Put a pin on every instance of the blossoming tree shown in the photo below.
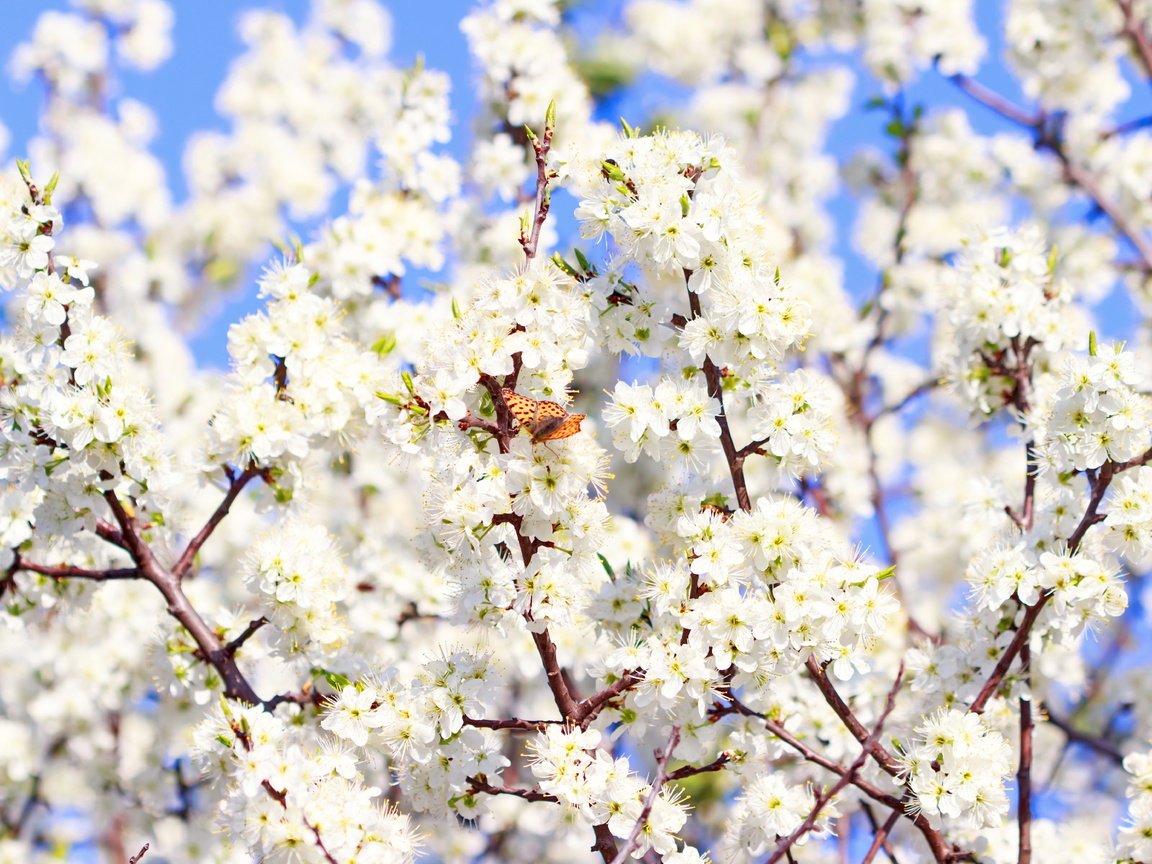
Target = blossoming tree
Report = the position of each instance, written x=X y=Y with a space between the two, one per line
x=833 y=564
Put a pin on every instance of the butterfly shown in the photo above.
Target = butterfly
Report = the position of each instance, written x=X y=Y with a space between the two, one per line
x=545 y=421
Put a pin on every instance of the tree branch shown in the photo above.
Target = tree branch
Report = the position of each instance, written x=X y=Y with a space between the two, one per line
x=1137 y=34
x=512 y=724
x=883 y=758
x=236 y=685
x=480 y=784
x=70 y=572
x=235 y=487
x=1024 y=772
x=1100 y=481
x=662 y=757
x=846 y=778
x=540 y=147
x=1074 y=173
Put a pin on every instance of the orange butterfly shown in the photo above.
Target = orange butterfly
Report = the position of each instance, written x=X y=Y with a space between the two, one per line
x=545 y=421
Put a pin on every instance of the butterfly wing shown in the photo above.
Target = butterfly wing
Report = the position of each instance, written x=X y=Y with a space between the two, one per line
x=564 y=428
x=522 y=407
x=549 y=410
x=545 y=421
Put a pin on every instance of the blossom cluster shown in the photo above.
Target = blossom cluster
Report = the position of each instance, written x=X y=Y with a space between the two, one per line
x=397 y=584
x=289 y=792
x=957 y=767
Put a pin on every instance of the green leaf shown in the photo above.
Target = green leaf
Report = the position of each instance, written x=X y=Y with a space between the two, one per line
x=559 y=261
x=607 y=567
x=385 y=345
x=335 y=680
x=51 y=187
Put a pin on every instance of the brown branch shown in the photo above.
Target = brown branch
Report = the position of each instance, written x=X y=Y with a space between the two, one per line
x=1137 y=34
x=512 y=724
x=905 y=400
x=109 y=532
x=732 y=456
x=935 y=840
x=909 y=127
x=479 y=783
x=471 y=421
x=717 y=764
x=991 y=99
x=305 y=696
x=1074 y=173
x=662 y=757
x=253 y=625
x=880 y=837
x=139 y=856
x=540 y=147
x=1080 y=177
x=328 y=856
x=546 y=648
x=883 y=758
x=1142 y=459
x=590 y=708
x=1024 y=772
x=1099 y=744
x=235 y=487
x=822 y=798
x=1100 y=480
x=236 y=685
x=70 y=572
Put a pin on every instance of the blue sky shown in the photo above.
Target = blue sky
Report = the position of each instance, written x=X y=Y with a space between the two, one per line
x=181 y=91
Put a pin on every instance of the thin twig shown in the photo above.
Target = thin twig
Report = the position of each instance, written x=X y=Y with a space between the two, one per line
x=540 y=147
x=70 y=572
x=139 y=855
x=1074 y=173
x=1137 y=34
x=481 y=784
x=846 y=778
x=662 y=757
x=512 y=724
x=1100 y=480
x=236 y=685
x=235 y=487
x=880 y=839
x=1074 y=735
x=1024 y=772
x=717 y=764
x=253 y=625
x=734 y=457
x=883 y=758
